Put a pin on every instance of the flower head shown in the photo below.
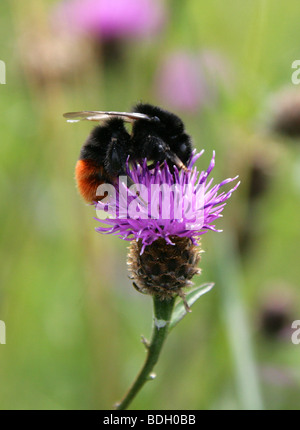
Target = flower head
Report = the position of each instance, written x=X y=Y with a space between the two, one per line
x=198 y=78
x=111 y=19
x=164 y=203
x=283 y=113
x=163 y=213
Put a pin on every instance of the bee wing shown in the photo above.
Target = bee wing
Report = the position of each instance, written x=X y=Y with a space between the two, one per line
x=103 y=115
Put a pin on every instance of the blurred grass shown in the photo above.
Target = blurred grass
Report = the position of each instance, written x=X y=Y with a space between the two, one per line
x=73 y=319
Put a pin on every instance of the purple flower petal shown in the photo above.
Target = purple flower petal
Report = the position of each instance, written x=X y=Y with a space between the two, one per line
x=188 y=209
x=110 y=18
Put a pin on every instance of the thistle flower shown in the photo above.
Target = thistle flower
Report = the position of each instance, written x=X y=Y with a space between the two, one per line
x=197 y=77
x=111 y=19
x=163 y=215
x=283 y=116
x=49 y=55
x=276 y=313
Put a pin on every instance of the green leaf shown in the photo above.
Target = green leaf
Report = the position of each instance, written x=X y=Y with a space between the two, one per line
x=180 y=311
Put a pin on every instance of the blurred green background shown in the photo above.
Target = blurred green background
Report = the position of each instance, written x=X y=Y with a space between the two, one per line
x=73 y=320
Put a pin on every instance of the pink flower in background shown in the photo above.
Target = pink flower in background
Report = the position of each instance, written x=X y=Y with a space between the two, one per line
x=181 y=83
x=111 y=19
x=282 y=114
x=188 y=80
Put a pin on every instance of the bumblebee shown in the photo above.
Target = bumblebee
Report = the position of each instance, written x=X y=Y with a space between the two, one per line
x=156 y=135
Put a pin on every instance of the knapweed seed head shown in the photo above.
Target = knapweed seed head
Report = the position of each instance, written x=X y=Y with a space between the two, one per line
x=163 y=213
x=283 y=116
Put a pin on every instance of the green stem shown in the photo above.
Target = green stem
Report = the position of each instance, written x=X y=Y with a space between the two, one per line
x=162 y=316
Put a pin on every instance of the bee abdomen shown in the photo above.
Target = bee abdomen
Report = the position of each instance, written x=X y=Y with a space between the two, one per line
x=88 y=177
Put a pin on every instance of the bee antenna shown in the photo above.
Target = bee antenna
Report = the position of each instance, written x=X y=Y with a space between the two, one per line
x=176 y=160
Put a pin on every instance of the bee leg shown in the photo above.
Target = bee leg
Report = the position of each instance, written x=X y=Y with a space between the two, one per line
x=138 y=288
x=176 y=160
